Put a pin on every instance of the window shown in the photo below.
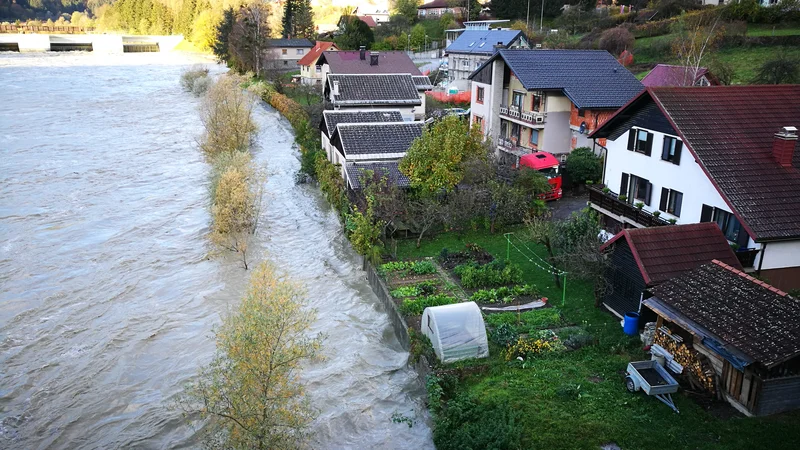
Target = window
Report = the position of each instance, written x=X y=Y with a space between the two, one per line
x=516 y=100
x=671 y=201
x=536 y=104
x=465 y=63
x=285 y=63
x=299 y=51
x=581 y=112
x=479 y=121
x=319 y=69
x=635 y=188
x=515 y=128
x=640 y=141
x=284 y=51
x=672 y=150
x=534 y=137
x=726 y=221
x=480 y=94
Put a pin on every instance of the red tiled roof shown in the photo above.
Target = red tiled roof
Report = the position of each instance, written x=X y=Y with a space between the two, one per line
x=666 y=252
x=669 y=75
x=730 y=131
x=315 y=53
x=350 y=62
x=751 y=316
x=368 y=20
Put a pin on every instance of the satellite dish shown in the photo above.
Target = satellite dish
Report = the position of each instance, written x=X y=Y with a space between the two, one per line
x=582 y=129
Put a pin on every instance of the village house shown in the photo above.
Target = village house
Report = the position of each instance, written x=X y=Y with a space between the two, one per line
x=310 y=71
x=357 y=146
x=669 y=75
x=724 y=154
x=285 y=54
x=436 y=8
x=379 y=91
x=641 y=258
x=331 y=118
x=733 y=335
x=547 y=100
x=364 y=61
x=473 y=47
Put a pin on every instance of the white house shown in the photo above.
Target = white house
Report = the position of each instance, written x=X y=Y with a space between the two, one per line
x=286 y=53
x=332 y=118
x=365 y=92
x=310 y=69
x=725 y=154
x=473 y=47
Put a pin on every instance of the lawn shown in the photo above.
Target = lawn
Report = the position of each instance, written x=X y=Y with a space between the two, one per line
x=578 y=399
x=781 y=29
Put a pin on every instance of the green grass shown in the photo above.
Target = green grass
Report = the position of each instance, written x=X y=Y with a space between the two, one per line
x=301 y=98
x=759 y=29
x=746 y=61
x=601 y=410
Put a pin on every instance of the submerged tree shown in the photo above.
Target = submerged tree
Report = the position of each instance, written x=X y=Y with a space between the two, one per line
x=227 y=115
x=252 y=390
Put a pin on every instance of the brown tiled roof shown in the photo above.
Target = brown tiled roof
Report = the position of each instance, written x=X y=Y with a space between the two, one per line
x=315 y=53
x=666 y=252
x=730 y=131
x=368 y=20
x=350 y=62
x=753 y=317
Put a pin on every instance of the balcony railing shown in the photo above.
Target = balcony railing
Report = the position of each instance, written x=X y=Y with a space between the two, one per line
x=531 y=117
x=610 y=202
x=746 y=256
x=510 y=146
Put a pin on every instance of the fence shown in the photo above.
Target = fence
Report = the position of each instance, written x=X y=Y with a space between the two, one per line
x=461 y=97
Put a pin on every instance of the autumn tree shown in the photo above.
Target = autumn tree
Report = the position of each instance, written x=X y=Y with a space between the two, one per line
x=696 y=37
x=435 y=161
x=249 y=39
x=779 y=70
x=616 y=40
x=251 y=391
x=227 y=115
x=406 y=8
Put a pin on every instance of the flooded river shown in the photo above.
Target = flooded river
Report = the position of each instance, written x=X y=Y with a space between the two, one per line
x=109 y=289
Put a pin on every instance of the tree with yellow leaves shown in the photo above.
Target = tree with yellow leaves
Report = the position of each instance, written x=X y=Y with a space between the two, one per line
x=251 y=391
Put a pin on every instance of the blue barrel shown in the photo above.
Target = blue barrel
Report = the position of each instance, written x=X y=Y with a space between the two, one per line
x=631 y=324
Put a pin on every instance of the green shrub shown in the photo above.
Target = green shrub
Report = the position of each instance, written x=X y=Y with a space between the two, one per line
x=420 y=346
x=195 y=80
x=504 y=335
x=415 y=307
x=527 y=321
x=503 y=294
x=466 y=424
x=495 y=273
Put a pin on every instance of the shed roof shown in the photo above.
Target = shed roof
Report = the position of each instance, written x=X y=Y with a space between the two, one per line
x=388 y=170
x=669 y=75
x=666 y=252
x=331 y=118
x=730 y=131
x=482 y=41
x=350 y=62
x=290 y=43
x=368 y=20
x=738 y=310
x=422 y=82
x=312 y=56
x=376 y=138
x=589 y=78
x=373 y=89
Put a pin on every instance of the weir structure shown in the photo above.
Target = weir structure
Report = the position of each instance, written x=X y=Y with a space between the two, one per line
x=106 y=43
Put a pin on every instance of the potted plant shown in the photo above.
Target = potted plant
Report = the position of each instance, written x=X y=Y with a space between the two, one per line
x=673 y=221
x=735 y=246
x=606 y=190
x=623 y=197
x=639 y=205
x=656 y=213
x=589 y=182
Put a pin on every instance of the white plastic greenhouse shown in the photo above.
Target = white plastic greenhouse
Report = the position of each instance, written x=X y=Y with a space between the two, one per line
x=456 y=331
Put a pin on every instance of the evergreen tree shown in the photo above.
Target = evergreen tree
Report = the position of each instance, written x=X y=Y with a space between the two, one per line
x=221 y=47
x=304 y=20
x=289 y=8
x=354 y=33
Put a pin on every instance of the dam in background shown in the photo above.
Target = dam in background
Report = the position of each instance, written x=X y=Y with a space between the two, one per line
x=105 y=43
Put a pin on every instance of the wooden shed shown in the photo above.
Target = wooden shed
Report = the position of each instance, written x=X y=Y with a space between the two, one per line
x=735 y=335
x=645 y=257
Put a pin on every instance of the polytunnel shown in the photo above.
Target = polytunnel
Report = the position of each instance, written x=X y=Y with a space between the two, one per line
x=456 y=331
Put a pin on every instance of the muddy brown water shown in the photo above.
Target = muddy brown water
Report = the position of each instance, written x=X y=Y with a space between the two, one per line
x=108 y=295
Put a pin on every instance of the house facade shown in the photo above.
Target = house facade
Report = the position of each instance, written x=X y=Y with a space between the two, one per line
x=366 y=92
x=725 y=154
x=473 y=47
x=547 y=100
x=436 y=8
x=310 y=71
x=332 y=118
x=285 y=54
x=733 y=335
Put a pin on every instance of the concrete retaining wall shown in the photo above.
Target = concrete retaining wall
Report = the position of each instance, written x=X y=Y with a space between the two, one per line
x=382 y=291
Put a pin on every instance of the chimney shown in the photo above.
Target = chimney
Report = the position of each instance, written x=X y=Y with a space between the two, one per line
x=373 y=59
x=783 y=145
x=335 y=88
x=363 y=52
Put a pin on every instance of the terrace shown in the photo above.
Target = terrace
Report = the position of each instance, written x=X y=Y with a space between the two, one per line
x=528 y=117
x=610 y=203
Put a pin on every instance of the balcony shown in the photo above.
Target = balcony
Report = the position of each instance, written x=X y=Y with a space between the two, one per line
x=510 y=146
x=612 y=204
x=747 y=256
x=529 y=117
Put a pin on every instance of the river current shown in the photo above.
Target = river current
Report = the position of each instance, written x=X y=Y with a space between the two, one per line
x=109 y=289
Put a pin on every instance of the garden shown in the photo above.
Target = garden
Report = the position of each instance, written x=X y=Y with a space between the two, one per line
x=555 y=375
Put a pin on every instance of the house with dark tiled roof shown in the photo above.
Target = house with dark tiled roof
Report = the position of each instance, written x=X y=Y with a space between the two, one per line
x=365 y=61
x=310 y=70
x=644 y=257
x=670 y=75
x=366 y=92
x=286 y=53
x=358 y=144
x=434 y=9
x=332 y=118
x=722 y=154
x=733 y=334
x=473 y=47
x=547 y=100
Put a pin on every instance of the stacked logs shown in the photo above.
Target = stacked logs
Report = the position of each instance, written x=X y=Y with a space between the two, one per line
x=696 y=367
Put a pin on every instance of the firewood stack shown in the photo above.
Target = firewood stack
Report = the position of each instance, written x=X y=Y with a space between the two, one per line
x=696 y=367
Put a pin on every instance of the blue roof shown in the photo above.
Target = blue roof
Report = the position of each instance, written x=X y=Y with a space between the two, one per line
x=482 y=41
x=589 y=78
